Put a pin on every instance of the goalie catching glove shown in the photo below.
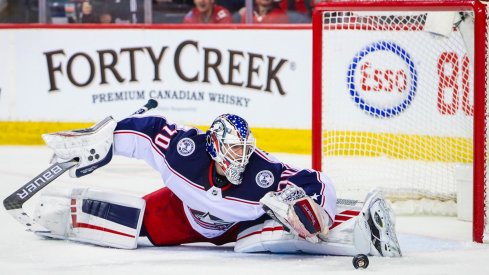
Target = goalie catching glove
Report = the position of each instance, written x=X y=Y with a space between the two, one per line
x=297 y=212
x=92 y=147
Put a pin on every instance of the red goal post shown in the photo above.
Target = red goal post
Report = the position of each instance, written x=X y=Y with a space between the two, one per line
x=352 y=18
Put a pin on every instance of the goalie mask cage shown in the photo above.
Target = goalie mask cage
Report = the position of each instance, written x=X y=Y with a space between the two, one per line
x=399 y=99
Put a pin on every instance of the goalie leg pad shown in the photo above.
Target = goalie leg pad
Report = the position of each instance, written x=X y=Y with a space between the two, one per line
x=359 y=228
x=271 y=236
x=91 y=216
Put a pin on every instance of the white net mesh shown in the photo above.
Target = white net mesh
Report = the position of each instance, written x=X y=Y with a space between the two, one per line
x=397 y=103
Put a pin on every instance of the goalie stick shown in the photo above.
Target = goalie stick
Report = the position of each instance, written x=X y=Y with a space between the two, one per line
x=15 y=202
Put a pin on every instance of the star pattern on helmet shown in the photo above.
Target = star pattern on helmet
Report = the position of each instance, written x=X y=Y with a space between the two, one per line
x=240 y=124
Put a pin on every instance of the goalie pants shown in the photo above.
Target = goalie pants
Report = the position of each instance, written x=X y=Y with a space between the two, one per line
x=165 y=223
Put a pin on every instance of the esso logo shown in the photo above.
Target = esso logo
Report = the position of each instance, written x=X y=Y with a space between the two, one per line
x=382 y=79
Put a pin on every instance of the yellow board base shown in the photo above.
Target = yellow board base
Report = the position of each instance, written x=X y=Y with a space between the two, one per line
x=295 y=141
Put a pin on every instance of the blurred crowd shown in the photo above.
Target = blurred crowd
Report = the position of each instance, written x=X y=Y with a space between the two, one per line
x=156 y=11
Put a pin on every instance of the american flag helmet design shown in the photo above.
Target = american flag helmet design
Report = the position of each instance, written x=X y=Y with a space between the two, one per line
x=230 y=143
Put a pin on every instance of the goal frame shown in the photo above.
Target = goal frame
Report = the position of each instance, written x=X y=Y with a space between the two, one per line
x=480 y=72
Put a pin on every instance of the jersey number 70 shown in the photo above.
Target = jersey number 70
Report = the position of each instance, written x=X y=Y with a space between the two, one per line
x=163 y=139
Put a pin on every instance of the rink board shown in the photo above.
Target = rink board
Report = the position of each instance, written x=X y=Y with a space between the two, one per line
x=55 y=74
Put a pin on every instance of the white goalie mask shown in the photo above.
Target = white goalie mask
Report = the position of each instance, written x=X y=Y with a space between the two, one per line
x=230 y=144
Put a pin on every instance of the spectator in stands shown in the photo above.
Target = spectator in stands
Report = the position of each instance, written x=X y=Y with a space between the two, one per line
x=106 y=18
x=170 y=11
x=298 y=11
x=3 y=5
x=266 y=12
x=299 y=6
x=231 y=5
x=87 y=15
x=206 y=11
x=123 y=11
x=4 y=13
x=15 y=11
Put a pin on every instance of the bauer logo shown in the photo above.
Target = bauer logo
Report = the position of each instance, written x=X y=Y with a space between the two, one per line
x=39 y=182
x=382 y=79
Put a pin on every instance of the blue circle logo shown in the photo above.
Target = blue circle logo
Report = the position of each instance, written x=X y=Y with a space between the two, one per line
x=382 y=79
x=264 y=179
x=185 y=147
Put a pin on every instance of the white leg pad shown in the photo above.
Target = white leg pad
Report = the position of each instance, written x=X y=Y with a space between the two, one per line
x=349 y=239
x=91 y=216
x=266 y=237
x=348 y=236
x=359 y=228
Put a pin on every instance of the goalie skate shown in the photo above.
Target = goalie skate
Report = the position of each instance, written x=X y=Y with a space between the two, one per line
x=380 y=219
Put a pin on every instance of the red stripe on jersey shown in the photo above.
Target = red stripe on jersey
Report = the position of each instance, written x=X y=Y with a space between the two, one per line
x=288 y=173
x=143 y=136
x=265 y=156
x=262 y=155
x=184 y=179
x=163 y=156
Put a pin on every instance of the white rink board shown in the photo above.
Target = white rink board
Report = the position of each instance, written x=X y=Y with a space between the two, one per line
x=270 y=68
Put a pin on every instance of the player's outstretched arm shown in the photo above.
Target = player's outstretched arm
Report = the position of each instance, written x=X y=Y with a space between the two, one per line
x=92 y=147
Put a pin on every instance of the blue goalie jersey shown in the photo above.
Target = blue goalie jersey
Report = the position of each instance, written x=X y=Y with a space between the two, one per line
x=179 y=155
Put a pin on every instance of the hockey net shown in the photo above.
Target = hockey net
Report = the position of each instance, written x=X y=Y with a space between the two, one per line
x=394 y=88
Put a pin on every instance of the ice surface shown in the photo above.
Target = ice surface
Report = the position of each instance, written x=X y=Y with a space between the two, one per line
x=431 y=245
